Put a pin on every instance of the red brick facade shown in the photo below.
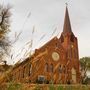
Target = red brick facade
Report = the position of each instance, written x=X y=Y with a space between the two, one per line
x=56 y=61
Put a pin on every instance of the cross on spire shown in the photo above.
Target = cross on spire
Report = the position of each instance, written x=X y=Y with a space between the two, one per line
x=66 y=4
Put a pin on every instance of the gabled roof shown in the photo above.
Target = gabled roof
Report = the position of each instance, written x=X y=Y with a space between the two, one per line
x=39 y=50
x=49 y=43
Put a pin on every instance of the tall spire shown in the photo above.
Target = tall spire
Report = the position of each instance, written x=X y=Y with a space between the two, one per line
x=67 y=25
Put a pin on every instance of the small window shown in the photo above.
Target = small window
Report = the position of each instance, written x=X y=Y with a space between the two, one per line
x=51 y=68
x=72 y=38
x=60 y=69
x=57 y=45
x=46 y=67
x=62 y=39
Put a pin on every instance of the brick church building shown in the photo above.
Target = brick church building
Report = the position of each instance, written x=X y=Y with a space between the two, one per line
x=57 y=61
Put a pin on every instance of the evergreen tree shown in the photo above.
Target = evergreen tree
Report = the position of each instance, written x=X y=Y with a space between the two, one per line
x=85 y=66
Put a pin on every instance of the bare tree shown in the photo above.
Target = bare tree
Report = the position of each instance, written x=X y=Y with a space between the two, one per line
x=4 y=30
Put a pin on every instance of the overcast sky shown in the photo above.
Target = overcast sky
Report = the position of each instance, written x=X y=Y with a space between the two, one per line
x=46 y=16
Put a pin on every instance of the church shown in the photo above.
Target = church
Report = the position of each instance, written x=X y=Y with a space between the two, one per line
x=55 y=62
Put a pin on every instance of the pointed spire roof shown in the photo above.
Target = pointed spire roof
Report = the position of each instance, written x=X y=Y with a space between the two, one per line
x=67 y=25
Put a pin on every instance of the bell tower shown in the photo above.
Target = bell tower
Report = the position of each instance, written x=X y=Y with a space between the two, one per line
x=68 y=39
x=70 y=44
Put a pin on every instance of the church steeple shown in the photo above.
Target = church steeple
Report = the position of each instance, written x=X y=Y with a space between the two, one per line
x=67 y=25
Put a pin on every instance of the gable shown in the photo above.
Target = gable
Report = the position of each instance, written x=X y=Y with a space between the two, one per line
x=53 y=43
x=52 y=51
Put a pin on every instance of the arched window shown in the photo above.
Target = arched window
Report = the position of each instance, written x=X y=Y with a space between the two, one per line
x=51 y=68
x=30 y=69
x=72 y=38
x=62 y=39
x=23 y=72
x=46 y=67
x=56 y=45
x=60 y=69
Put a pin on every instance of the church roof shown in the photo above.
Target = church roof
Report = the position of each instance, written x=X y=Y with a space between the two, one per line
x=40 y=50
x=67 y=25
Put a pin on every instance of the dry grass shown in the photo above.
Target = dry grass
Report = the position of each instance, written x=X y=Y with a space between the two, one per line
x=18 y=86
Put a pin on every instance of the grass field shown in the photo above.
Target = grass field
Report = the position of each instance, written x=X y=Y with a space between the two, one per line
x=18 y=86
